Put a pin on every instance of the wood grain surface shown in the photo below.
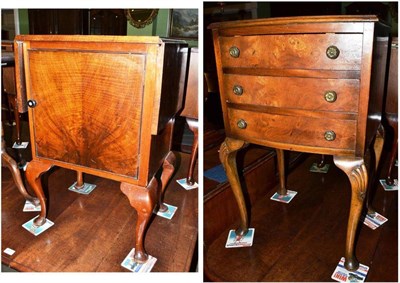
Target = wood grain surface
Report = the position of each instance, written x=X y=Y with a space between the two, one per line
x=94 y=232
x=302 y=51
x=86 y=115
x=292 y=129
x=291 y=92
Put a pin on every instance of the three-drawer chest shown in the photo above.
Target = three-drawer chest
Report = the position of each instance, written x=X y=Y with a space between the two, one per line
x=309 y=84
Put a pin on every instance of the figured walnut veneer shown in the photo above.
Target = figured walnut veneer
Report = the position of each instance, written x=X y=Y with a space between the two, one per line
x=103 y=105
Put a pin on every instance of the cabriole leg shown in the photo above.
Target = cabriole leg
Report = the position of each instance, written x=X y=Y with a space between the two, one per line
x=393 y=152
x=8 y=161
x=168 y=170
x=193 y=126
x=357 y=173
x=143 y=200
x=376 y=153
x=227 y=155
x=34 y=171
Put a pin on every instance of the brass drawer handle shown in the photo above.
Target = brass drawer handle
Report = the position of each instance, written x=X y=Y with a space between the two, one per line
x=237 y=89
x=330 y=135
x=332 y=52
x=234 y=52
x=330 y=96
x=242 y=124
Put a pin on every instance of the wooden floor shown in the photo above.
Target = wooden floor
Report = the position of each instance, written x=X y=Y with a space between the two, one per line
x=304 y=240
x=95 y=232
x=301 y=241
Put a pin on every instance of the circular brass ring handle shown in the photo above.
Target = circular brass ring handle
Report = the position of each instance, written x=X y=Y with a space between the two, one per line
x=330 y=135
x=32 y=103
x=237 y=89
x=330 y=96
x=234 y=52
x=242 y=124
x=332 y=52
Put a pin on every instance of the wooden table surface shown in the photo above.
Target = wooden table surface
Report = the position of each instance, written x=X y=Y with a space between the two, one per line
x=95 y=232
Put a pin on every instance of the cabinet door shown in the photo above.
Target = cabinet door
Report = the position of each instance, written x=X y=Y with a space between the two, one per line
x=88 y=107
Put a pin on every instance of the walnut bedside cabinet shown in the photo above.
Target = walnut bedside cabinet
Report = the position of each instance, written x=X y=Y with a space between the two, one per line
x=103 y=105
x=309 y=84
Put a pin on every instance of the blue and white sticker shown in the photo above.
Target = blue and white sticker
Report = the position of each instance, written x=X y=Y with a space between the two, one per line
x=387 y=187
x=341 y=274
x=22 y=145
x=169 y=213
x=374 y=221
x=185 y=185
x=284 y=198
x=36 y=230
x=238 y=241
x=9 y=251
x=324 y=169
x=134 y=266
x=87 y=188
x=29 y=207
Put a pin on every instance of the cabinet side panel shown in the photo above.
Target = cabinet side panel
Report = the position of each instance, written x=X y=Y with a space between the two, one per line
x=378 y=76
x=161 y=145
x=89 y=107
x=190 y=109
x=20 y=76
x=173 y=82
x=393 y=84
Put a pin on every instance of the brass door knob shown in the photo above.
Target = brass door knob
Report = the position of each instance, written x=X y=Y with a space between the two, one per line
x=330 y=96
x=32 y=103
x=332 y=52
x=238 y=90
x=242 y=124
x=330 y=135
x=234 y=52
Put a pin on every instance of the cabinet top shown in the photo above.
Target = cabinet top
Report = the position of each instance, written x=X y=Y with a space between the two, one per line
x=295 y=20
x=98 y=38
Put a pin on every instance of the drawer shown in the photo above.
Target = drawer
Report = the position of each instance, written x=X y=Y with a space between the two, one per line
x=301 y=93
x=305 y=131
x=292 y=51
